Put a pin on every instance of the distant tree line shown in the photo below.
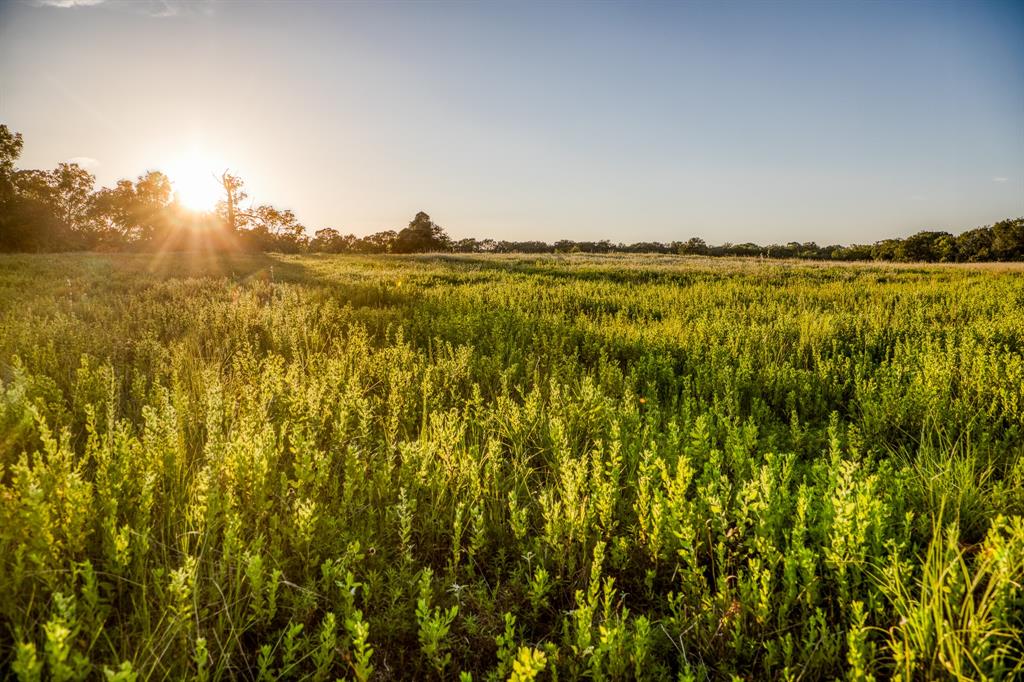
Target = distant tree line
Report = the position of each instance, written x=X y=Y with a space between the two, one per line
x=63 y=210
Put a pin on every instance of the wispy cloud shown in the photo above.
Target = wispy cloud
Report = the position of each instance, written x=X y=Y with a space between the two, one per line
x=1000 y=178
x=85 y=162
x=157 y=9
x=162 y=9
x=65 y=4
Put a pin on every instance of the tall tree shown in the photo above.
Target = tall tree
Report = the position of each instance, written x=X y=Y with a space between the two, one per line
x=136 y=212
x=37 y=208
x=923 y=246
x=44 y=210
x=10 y=149
x=422 y=235
x=233 y=196
x=72 y=187
x=975 y=245
x=1008 y=239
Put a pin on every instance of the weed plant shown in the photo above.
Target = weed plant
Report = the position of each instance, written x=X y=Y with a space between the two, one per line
x=509 y=468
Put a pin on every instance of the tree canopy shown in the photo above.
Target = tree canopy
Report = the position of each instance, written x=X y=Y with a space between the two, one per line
x=62 y=210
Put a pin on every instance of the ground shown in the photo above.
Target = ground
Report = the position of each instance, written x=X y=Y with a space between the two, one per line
x=512 y=467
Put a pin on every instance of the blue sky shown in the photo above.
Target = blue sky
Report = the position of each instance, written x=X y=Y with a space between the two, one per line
x=833 y=122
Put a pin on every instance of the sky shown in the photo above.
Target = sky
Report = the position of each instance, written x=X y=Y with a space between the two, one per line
x=732 y=121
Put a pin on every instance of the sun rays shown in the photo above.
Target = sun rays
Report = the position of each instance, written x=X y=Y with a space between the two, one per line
x=193 y=175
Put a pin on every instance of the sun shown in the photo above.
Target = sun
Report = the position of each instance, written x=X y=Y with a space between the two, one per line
x=194 y=179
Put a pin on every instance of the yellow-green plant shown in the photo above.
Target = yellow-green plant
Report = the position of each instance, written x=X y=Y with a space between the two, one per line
x=509 y=467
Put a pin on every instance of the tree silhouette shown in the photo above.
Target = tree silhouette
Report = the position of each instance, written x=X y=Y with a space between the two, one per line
x=233 y=196
x=60 y=210
x=136 y=212
x=10 y=149
x=72 y=187
x=422 y=235
x=41 y=210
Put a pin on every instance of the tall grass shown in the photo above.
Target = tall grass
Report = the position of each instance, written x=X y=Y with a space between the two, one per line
x=509 y=468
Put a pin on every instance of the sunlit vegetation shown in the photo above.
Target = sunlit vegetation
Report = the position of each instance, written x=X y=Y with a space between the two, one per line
x=317 y=467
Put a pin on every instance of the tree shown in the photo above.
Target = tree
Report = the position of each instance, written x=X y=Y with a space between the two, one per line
x=233 y=196
x=975 y=245
x=28 y=221
x=135 y=212
x=422 y=235
x=11 y=144
x=694 y=246
x=45 y=210
x=272 y=229
x=924 y=246
x=22 y=220
x=278 y=222
x=1008 y=239
x=945 y=248
x=853 y=252
x=887 y=250
x=378 y=242
x=468 y=245
x=112 y=210
x=264 y=227
x=40 y=210
x=327 y=240
x=72 y=187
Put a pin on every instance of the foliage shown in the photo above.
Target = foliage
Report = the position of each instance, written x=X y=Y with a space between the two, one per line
x=59 y=211
x=422 y=235
x=308 y=467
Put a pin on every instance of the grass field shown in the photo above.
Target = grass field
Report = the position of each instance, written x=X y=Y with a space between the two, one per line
x=510 y=468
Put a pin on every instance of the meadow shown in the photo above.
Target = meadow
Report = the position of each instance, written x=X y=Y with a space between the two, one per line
x=509 y=468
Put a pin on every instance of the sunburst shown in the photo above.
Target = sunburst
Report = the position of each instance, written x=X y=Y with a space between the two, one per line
x=194 y=178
